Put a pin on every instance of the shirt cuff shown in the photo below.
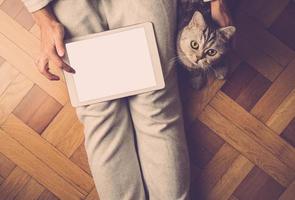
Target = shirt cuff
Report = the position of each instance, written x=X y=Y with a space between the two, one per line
x=207 y=0
x=34 y=5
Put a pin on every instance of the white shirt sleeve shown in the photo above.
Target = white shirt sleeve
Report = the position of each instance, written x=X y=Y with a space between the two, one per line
x=34 y=5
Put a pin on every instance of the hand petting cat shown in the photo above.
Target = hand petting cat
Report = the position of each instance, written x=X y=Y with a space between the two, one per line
x=221 y=15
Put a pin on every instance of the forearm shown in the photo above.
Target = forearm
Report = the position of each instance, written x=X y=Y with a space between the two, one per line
x=44 y=16
x=220 y=4
x=220 y=13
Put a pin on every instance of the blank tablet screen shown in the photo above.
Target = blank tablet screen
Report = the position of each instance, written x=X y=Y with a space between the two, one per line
x=111 y=64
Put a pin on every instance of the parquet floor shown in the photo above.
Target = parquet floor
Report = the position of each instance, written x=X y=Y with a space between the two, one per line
x=241 y=132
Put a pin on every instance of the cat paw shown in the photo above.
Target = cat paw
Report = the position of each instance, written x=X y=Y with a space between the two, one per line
x=196 y=86
x=220 y=76
x=197 y=82
x=221 y=73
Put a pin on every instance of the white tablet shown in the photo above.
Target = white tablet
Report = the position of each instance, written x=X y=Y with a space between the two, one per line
x=113 y=64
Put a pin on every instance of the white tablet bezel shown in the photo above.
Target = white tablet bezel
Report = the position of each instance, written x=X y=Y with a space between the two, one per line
x=153 y=49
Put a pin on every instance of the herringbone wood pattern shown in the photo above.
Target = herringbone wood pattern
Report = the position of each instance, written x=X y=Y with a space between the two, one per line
x=241 y=132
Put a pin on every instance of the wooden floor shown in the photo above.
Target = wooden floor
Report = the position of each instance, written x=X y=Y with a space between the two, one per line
x=241 y=132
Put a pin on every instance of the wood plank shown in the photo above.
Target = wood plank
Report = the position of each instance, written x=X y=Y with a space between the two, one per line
x=25 y=19
x=2 y=60
x=13 y=184
x=260 y=61
x=93 y=195
x=231 y=179
x=36 y=168
x=274 y=96
x=25 y=64
x=289 y=133
x=79 y=157
x=47 y=195
x=79 y=179
x=31 y=190
x=266 y=11
x=254 y=129
x=201 y=155
x=6 y=166
x=35 y=30
x=202 y=136
x=32 y=102
x=215 y=169
x=195 y=173
x=271 y=190
x=37 y=109
x=233 y=198
x=11 y=7
x=68 y=140
x=283 y=27
x=283 y=115
x=251 y=7
x=289 y=193
x=250 y=186
x=238 y=80
x=271 y=10
x=17 y=89
x=73 y=138
x=258 y=185
x=247 y=146
x=19 y=35
x=250 y=29
x=1 y=180
x=253 y=92
x=7 y=75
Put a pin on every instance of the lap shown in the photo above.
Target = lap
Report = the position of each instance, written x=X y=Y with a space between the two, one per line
x=164 y=103
x=162 y=13
x=81 y=17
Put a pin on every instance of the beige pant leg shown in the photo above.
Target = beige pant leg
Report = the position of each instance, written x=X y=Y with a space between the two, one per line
x=157 y=116
x=109 y=135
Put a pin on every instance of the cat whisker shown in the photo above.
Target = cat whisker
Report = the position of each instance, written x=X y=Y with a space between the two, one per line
x=175 y=59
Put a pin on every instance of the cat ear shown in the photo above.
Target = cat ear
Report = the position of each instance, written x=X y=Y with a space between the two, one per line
x=228 y=31
x=197 y=20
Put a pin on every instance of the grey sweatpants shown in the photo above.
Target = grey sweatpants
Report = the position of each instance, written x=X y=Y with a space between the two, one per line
x=136 y=146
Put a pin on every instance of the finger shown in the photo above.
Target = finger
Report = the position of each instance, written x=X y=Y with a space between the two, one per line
x=59 y=45
x=60 y=48
x=42 y=65
x=58 y=62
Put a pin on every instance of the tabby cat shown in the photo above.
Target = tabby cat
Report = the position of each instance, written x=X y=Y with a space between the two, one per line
x=201 y=45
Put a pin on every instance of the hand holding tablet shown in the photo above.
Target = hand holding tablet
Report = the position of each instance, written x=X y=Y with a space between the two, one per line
x=113 y=64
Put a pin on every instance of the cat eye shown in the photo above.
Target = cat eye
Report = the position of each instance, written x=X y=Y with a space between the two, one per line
x=211 y=52
x=194 y=44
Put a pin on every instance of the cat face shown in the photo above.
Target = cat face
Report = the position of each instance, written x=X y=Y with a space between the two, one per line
x=199 y=47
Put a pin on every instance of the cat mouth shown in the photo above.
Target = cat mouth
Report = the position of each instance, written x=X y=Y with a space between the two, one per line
x=196 y=65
